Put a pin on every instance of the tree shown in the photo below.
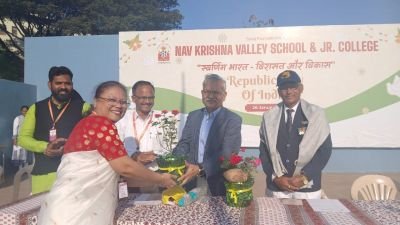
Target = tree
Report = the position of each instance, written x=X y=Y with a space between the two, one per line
x=11 y=67
x=37 y=18
x=256 y=22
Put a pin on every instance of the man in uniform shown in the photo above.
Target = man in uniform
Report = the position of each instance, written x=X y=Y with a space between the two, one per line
x=295 y=143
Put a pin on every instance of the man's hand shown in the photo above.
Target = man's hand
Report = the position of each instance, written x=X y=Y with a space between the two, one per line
x=286 y=183
x=235 y=175
x=55 y=148
x=167 y=180
x=192 y=170
x=297 y=181
x=145 y=157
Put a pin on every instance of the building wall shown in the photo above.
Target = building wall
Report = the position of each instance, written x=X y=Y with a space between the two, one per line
x=12 y=96
x=92 y=60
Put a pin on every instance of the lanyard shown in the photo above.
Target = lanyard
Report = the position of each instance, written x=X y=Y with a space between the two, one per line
x=137 y=139
x=59 y=115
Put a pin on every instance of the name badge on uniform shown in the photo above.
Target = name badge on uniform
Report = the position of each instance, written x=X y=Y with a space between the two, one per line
x=302 y=130
x=122 y=189
x=52 y=134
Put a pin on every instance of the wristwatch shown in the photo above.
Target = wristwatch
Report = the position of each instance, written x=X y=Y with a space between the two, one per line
x=305 y=180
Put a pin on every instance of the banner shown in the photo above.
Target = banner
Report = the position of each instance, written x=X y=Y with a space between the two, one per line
x=351 y=71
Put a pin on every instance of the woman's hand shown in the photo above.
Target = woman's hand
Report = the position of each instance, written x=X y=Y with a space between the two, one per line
x=129 y=168
x=168 y=180
x=146 y=157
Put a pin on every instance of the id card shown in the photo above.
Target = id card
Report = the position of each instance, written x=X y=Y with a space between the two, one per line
x=122 y=189
x=52 y=134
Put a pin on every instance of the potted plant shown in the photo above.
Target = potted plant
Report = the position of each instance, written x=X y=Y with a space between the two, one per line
x=166 y=124
x=239 y=193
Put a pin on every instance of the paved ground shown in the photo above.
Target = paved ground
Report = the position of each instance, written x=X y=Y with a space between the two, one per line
x=335 y=185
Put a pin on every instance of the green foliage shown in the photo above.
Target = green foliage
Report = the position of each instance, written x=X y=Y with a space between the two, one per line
x=256 y=22
x=239 y=194
x=11 y=67
x=71 y=17
x=171 y=164
x=37 y=18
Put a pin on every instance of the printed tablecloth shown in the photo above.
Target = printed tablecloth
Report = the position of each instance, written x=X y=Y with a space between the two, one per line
x=272 y=211
x=207 y=211
x=262 y=211
x=22 y=212
x=384 y=212
x=213 y=210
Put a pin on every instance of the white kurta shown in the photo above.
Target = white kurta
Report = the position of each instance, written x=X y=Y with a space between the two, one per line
x=85 y=192
x=19 y=153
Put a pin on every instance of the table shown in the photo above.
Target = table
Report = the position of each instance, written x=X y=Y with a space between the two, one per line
x=206 y=211
x=262 y=211
x=272 y=211
x=213 y=210
x=22 y=212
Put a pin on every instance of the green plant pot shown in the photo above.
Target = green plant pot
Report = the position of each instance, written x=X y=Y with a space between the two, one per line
x=172 y=164
x=239 y=194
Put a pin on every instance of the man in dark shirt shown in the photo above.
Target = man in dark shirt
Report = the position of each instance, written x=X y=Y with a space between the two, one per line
x=48 y=124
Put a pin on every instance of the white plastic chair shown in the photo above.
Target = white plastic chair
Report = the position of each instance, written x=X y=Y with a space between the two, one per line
x=373 y=187
x=18 y=178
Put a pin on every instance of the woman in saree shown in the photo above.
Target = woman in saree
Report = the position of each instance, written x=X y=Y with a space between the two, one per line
x=85 y=191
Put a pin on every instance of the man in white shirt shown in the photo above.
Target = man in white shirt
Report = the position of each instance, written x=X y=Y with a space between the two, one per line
x=135 y=128
x=138 y=135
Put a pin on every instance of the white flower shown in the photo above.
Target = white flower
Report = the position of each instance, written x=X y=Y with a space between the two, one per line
x=166 y=124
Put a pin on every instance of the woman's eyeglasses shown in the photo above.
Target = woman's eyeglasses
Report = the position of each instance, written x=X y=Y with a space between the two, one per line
x=114 y=102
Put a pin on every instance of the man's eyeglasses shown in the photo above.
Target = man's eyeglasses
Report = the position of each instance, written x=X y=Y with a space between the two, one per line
x=143 y=98
x=288 y=88
x=215 y=93
x=113 y=102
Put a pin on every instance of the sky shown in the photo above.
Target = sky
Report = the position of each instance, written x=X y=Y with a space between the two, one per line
x=217 y=14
